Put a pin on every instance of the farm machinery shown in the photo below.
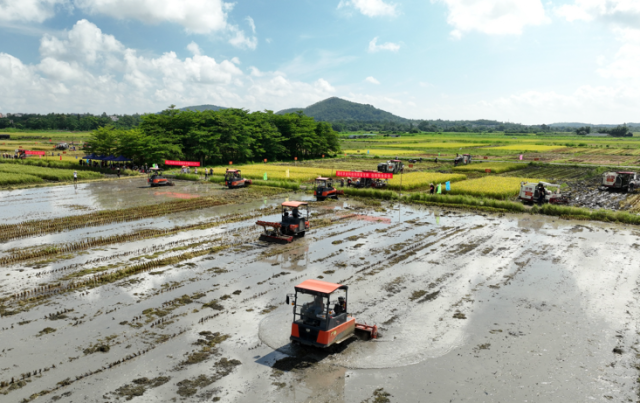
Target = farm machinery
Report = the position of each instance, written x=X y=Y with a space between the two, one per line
x=628 y=181
x=324 y=189
x=367 y=182
x=462 y=159
x=233 y=179
x=293 y=223
x=156 y=178
x=541 y=192
x=391 y=166
x=318 y=323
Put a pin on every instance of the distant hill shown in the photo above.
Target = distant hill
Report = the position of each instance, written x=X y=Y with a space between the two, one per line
x=202 y=108
x=336 y=109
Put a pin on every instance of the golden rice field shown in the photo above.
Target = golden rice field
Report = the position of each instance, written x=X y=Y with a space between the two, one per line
x=495 y=167
x=416 y=180
x=274 y=172
x=386 y=152
x=527 y=147
x=501 y=187
x=435 y=145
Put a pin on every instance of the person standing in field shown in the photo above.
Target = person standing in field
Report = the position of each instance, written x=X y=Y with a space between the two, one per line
x=118 y=172
x=432 y=189
x=75 y=176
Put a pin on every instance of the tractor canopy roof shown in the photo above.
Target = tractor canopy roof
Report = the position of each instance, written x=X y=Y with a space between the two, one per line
x=396 y=161
x=322 y=287
x=232 y=170
x=294 y=204
x=319 y=178
x=626 y=173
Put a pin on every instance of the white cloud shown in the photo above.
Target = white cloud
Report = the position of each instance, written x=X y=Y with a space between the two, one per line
x=29 y=10
x=493 y=17
x=625 y=64
x=194 y=49
x=240 y=40
x=86 y=70
x=372 y=80
x=195 y=16
x=374 y=47
x=370 y=8
x=623 y=16
x=622 y=13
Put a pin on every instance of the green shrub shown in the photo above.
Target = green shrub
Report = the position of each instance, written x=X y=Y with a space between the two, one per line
x=7 y=178
x=50 y=174
x=373 y=193
x=465 y=200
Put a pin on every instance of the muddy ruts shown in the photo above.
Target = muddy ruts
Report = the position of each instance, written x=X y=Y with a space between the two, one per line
x=109 y=277
x=69 y=380
x=120 y=238
x=98 y=218
x=142 y=251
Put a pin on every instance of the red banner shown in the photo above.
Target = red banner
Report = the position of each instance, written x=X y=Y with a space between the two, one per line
x=182 y=163
x=35 y=152
x=370 y=175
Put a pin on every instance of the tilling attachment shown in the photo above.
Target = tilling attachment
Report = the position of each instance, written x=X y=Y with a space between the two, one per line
x=366 y=332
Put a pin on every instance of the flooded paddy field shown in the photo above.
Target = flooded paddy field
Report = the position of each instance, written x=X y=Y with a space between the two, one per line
x=471 y=306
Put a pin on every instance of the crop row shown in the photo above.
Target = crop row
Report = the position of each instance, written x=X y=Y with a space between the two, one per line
x=414 y=180
x=495 y=167
x=120 y=238
x=47 y=173
x=98 y=218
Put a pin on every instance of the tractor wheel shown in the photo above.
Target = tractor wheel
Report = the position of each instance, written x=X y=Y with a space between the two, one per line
x=319 y=198
x=630 y=189
x=301 y=234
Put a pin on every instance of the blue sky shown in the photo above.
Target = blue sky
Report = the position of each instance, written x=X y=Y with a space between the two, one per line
x=525 y=61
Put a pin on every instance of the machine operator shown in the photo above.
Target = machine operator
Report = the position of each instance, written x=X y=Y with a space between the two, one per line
x=340 y=307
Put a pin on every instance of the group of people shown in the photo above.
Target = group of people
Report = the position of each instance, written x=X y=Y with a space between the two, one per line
x=10 y=156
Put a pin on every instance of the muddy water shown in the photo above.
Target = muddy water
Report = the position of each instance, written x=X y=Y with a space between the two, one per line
x=471 y=308
x=59 y=201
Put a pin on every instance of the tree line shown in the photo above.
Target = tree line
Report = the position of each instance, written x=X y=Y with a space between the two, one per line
x=618 y=131
x=217 y=137
x=67 y=121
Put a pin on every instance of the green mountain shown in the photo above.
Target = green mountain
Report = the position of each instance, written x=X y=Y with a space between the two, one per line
x=336 y=109
x=202 y=108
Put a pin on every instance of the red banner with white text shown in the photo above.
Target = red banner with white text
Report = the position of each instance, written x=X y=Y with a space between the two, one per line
x=182 y=163
x=370 y=175
x=35 y=152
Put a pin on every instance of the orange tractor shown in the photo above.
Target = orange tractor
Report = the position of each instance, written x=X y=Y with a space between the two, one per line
x=316 y=322
x=324 y=189
x=156 y=178
x=293 y=223
x=233 y=179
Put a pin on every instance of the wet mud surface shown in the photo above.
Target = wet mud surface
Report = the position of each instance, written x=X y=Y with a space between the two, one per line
x=471 y=307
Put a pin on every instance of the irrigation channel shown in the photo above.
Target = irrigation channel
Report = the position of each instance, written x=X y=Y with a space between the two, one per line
x=185 y=304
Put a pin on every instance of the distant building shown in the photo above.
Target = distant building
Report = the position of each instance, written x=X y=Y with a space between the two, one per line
x=16 y=115
x=597 y=134
x=1 y=116
x=114 y=118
